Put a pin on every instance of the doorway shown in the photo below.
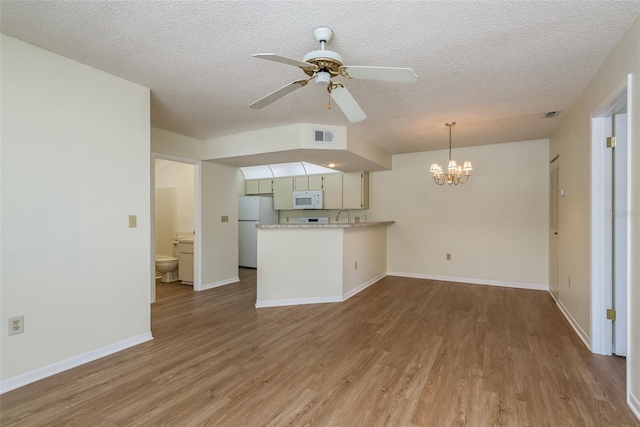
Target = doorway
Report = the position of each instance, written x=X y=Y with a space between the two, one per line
x=175 y=213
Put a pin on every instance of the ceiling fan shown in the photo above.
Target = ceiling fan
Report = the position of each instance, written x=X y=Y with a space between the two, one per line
x=322 y=65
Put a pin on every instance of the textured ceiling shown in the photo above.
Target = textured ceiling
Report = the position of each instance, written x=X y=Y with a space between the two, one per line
x=495 y=67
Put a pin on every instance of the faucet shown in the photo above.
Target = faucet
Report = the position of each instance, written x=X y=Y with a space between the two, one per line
x=348 y=215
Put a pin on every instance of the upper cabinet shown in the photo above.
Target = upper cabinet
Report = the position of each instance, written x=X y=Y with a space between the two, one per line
x=355 y=190
x=265 y=186
x=259 y=186
x=341 y=190
x=316 y=181
x=332 y=186
x=283 y=193
x=251 y=186
x=301 y=183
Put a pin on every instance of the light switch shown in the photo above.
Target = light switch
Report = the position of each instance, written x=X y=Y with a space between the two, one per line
x=133 y=221
x=225 y=218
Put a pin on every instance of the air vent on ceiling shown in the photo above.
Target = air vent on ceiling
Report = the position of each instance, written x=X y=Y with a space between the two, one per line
x=324 y=136
x=551 y=114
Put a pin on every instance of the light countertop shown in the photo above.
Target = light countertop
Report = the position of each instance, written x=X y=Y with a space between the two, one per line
x=333 y=225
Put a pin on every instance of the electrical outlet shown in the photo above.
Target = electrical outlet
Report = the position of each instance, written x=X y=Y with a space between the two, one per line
x=287 y=219
x=133 y=221
x=225 y=218
x=16 y=325
x=448 y=257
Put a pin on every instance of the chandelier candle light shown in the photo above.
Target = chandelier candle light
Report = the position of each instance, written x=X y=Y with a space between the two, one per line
x=456 y=174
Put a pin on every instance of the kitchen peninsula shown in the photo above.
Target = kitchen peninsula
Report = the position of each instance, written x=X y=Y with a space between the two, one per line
x=317 y=263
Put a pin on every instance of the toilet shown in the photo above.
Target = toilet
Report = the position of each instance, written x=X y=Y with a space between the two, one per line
x=168 y=266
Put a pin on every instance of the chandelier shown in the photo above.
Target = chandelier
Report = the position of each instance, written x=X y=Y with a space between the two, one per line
x=456 y=174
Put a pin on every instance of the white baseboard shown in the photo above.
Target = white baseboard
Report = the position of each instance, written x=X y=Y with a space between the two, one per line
x=296 y=301
x=64 y=365
x=532 y=286
x=319 y=300
x=362 y=287
x=634 y=404
x=576 y=327
x=218 y=284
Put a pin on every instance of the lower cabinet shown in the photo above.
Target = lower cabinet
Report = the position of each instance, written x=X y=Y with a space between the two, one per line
x=185 y=262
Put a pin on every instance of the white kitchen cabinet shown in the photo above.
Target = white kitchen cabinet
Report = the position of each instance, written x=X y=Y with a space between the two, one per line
x=301 y=183
x=355 y=190
x=315 y=182
x=341 y=190
x=332 y=186
x=283 y=193
x=258 y=186
x=265 y=186
x=252 y=186
x=185 y=262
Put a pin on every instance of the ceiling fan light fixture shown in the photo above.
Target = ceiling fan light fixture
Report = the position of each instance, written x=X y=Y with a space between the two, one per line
x=323 y=78
x=323 y=65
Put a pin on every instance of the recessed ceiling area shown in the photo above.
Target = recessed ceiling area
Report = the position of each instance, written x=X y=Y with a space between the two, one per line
x=283 y=170
x=494 y=67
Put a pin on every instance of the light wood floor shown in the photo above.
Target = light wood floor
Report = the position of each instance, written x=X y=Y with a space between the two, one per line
x=403 y=352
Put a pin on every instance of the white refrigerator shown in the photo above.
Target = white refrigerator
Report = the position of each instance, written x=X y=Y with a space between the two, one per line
x=252 y=210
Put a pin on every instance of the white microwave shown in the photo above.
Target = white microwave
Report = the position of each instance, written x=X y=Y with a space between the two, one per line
x=308 y=199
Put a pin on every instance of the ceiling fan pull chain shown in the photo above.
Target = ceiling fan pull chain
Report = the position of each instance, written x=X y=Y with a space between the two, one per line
x=329 y=104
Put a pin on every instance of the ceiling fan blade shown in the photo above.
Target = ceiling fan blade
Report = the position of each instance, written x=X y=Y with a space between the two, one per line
x=284 y=60
x=384 y=74
x=348 y=104
x=274 y=96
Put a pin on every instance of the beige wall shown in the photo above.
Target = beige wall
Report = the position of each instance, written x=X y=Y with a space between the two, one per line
x=573 y=142
x=174 y=144
x=181 y=176
x=364 y=256
x=75 y=165
x=219 y=239
x=281 y=138
x=287 y=266
x=495 y=226
x=288 y=260
x=166 y=220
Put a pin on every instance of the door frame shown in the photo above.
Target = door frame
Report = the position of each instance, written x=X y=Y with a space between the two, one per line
x=197 y=240
x=601 y=289
x=620 y=233
x=554 y=243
